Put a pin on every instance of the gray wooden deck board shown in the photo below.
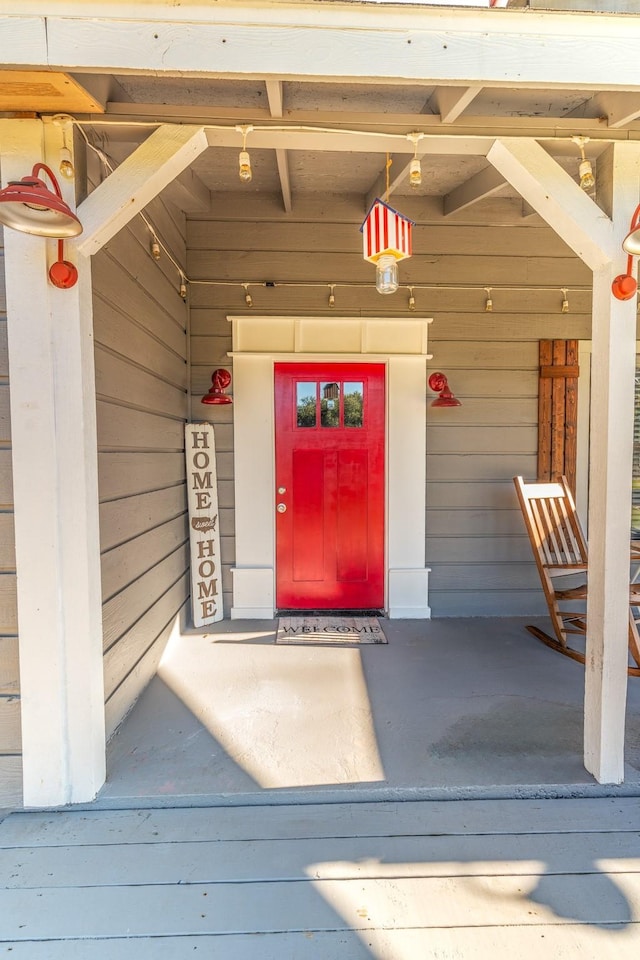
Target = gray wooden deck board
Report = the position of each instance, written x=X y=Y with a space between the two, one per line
x=408 y=818
x=612 y=942
x=246 y=861
x=318 y=905
x=390 y=881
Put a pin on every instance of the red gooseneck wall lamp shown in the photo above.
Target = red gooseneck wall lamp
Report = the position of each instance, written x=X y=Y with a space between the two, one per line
x=439 y=384
x=220 y=380
x=29 y=206
x=624 y=287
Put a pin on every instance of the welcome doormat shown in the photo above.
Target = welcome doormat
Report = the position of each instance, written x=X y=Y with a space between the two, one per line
x=321 y=630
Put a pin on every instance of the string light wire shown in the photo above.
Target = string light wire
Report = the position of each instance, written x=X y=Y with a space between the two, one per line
x=155 y=237
x=185 y=279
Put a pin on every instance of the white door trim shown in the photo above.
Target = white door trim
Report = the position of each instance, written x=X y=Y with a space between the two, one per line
x=407 y=588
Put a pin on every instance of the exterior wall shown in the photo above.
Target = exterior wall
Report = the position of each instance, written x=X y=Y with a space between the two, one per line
x=10 y=742
x=140 y=324
x=477 y=548
x=476 y=544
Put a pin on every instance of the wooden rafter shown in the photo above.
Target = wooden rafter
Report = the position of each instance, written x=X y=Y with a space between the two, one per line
x=620 y=109
x=276 y=108
x=451 y=102
x=484 y=184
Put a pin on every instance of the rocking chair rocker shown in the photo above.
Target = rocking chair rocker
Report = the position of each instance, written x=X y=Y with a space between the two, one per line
x=560 y=550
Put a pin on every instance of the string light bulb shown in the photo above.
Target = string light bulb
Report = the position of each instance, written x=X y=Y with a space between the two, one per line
x=154 y=247
x=332 y=296
x=415 y=167
x=412 y=299
x=488 y=304
x=248 y=299
x=65 y=165
x=244 y=160
x=585 y=170
x=565 y=301
x=183 y=287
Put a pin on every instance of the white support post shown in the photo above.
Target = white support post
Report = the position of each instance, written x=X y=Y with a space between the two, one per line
x=53 y=427
x=611 y=439
x=611 y=451
x=253 y=415
x=408 y=587
x=138 y=179
x=555 y=195
x=597 y=239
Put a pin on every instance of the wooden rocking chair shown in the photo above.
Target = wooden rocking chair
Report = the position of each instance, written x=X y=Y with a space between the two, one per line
x=560 y=550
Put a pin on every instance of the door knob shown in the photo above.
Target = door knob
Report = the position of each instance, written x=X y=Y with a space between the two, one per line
x=281 y=508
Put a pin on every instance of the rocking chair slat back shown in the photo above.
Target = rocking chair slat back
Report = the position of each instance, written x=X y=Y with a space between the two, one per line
x=560 y=549
x=552 y=524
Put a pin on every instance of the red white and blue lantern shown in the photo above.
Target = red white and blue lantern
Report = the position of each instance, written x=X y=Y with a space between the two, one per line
x=386 y=239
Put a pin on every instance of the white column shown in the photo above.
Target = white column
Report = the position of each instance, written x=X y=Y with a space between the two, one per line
x=611 y=450
x=253 y=428
x=408 y=588
x=53 y=425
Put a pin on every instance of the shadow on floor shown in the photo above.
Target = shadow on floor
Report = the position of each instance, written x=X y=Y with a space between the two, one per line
x=447 y=708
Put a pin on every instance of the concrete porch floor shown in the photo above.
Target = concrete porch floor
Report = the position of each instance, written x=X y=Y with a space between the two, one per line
x=452 y=708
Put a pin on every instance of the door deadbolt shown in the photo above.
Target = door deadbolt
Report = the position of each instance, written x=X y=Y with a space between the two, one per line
x=282 y=490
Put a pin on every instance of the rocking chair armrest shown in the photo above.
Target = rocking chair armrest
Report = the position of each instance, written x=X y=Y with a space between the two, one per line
x=575 y=593
x=566 y=571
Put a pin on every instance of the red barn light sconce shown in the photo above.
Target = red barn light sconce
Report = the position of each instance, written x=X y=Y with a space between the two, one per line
x=220 y=380
x=624 y=287
x=438 y=383
x=29 y=206
x=63 y=274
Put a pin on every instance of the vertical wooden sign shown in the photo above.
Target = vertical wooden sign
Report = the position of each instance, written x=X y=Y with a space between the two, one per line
x=204 y=529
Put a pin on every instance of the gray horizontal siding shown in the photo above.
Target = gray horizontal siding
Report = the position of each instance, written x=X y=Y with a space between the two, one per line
x=475 y=545
x=142 y=405
x=10 y=734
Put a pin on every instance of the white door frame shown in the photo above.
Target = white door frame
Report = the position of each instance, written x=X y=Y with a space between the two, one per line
x=306 y=340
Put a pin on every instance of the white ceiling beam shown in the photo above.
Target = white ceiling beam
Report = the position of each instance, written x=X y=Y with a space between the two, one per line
x=557 y=198
x=276 y=108
x=23 y=41
x=451 y=102
x=102 y=87
x=476 y=188
x=140 y=178
x=189 y=193
x=528 y=211
x=282 y=161
x=620 y=109
x=350 y=141
x=275 y=97
x=255 y=39
x=550 y=128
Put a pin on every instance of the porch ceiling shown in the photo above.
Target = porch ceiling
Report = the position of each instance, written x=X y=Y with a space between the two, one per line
x=298 y=164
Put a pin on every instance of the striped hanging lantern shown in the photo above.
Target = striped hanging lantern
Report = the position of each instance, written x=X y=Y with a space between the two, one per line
x=385 y=233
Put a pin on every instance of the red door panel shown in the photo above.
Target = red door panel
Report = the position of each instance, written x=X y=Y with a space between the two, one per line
x=330 y=431
x=307 y=505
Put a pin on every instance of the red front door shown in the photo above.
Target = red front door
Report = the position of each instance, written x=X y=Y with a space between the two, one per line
x=330 y=429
